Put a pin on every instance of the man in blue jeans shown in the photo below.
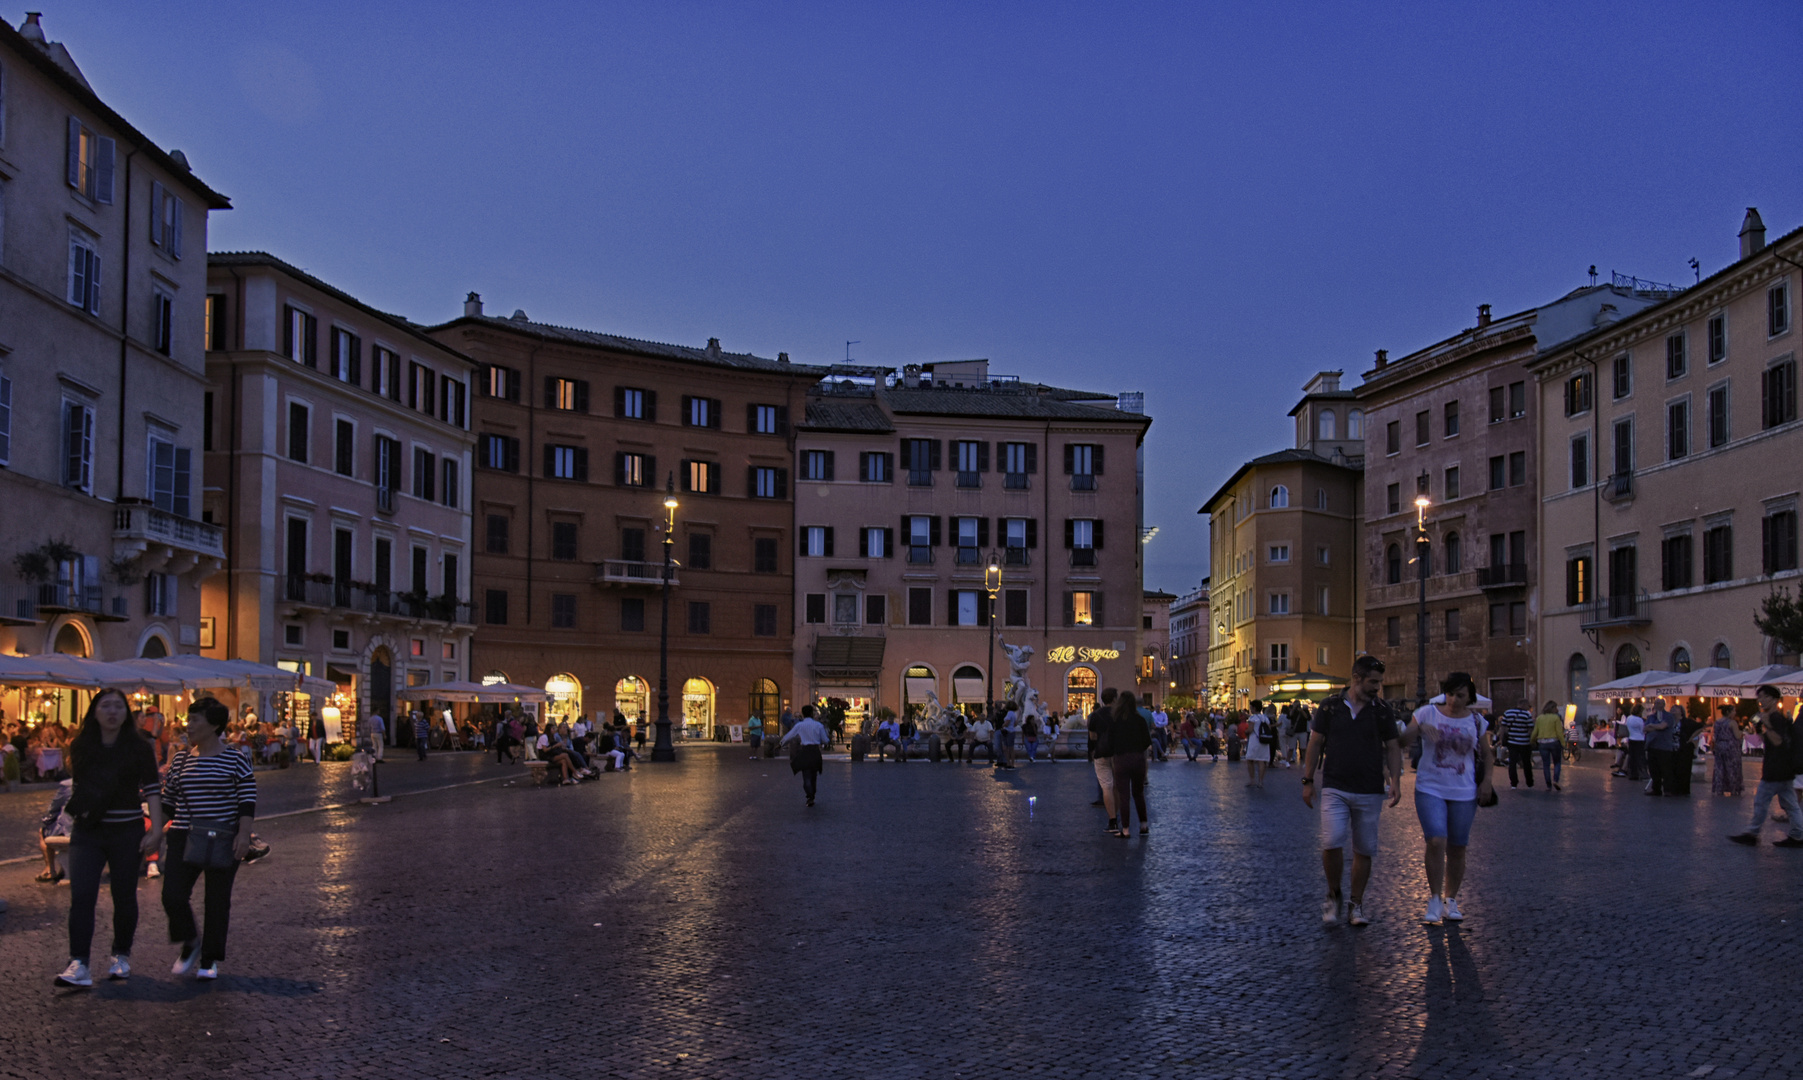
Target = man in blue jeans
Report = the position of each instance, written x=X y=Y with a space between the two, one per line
x=1780 y=769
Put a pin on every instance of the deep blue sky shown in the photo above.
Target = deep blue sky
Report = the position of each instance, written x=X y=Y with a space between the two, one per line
x=1204 y=202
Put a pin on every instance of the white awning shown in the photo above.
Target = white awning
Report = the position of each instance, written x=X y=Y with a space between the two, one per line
x=968 y=689
x=919 y=688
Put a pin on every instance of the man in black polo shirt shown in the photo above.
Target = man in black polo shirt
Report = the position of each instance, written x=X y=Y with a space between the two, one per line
x=1780 y=768
x=1356 y=733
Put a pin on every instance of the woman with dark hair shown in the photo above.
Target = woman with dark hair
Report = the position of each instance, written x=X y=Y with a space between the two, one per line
x=115 y=772
x=210 y=797
x=1128 y=740
x=1449 y=786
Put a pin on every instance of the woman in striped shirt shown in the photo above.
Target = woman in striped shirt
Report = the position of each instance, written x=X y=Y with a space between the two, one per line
x=115 y=770
x=208 y=782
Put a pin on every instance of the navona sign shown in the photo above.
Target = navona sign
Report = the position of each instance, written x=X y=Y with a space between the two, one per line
x=1064 y=654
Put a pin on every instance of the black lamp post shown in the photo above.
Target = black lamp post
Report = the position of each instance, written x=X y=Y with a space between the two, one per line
x=1422 y=553
x=664 y=749
x=992 y=583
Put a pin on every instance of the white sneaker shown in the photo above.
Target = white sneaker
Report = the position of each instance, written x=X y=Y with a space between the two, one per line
x=120 y=968
x=1435 y=915
x=76 y=974
x=1451 y=910
x=155 y=871
x=188 y=960
x=1330 y=911
x=1355 y=915
x=211 y=971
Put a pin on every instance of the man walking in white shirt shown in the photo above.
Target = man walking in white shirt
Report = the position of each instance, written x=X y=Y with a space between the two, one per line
x=809 y=736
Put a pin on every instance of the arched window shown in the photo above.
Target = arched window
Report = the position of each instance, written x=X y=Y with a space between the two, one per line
x=1329 y=424
x=1394 y=560
x=766 y=700
x=1355 y=424
x=698 y=708
x=1680 y=659
x=1627 y=661
x=1320 y=498
x=1722 y=657
x=1455 y=554
x=1080 y=690
x=968 y=687
x=631 y=695
x=563 y=698
x=1280 y=497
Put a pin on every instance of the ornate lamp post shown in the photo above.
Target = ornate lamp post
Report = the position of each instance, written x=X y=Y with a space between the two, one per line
x=664 y=749
x=992 y=583
x=1422 y=552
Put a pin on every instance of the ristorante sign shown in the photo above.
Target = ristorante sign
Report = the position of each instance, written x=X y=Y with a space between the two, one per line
x=1065 y=654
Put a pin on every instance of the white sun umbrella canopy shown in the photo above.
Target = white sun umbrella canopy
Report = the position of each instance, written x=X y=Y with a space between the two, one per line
x=1635 y=685
x=79 y=673
x=1786 y=677
x=490 y=693
x=207 y=673
x=1692 y=683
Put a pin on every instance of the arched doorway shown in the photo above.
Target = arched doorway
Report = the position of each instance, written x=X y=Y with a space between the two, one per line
x=968 y=687
x=563 y=699
x=1577 y=682
x=632 y=696
x=766 y=702
x=381 y=690
x=72 y=640
x=1627 y=661
x=697 y=708
x=154 y=648
x=920 y=686
x=1080 y=690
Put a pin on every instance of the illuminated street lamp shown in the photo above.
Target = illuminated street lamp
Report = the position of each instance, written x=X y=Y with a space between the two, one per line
x=992 y=584
x=1421 y=556
x=664 y=749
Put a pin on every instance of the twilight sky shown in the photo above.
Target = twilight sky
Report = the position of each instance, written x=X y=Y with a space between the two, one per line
x=1206 y=202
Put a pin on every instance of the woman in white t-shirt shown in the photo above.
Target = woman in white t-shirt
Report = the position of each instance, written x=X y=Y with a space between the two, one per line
x=1448 y=786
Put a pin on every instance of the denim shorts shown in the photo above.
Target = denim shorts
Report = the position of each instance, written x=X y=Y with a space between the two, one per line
x=1348 y=816
x=1448 y=818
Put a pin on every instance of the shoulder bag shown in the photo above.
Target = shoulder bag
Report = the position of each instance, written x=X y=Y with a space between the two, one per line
x=210 y=844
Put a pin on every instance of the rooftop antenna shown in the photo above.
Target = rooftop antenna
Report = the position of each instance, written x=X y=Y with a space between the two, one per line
x=1697 y=269
x=1593 y=274
x=848 y=346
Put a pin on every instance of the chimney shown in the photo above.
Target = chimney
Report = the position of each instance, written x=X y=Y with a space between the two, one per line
x=1483 y=315
x=782 y=357
x=1752 y=233
x=713 y=348
x=519 y=315
x=31 y=31
x=1383 y=358
x=472 y=304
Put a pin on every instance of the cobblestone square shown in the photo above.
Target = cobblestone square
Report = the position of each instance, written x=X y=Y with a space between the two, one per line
x=934 y=921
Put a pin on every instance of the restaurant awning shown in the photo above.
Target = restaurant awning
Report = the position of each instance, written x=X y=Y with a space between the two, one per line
x=80 y=673
x=1787 y=678
x=848 y=656
x=1633 y=685
x=206 y=673
x=493 y=693
x=963 y=689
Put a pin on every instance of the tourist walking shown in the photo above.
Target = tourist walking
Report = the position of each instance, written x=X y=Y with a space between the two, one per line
x=1724 y=744
x=377 y=729
x=1098 y=755
x=209 y=797
x=809 y=736
x=1449 y=786
x=1355 y=733
x=1029 y=736
x=754 y=733
x=1778 y=771
x=1006 y=733
x=1128 y=741
x=1518 y=738
x=422 y=732
x=1258 y=746
x=1635 y=722
x=114 y=770
x=316 y=736
x=1549 y=734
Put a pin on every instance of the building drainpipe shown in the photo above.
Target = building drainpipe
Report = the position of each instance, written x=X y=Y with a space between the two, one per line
x=1045 y=600
x=531 y=452
x=231 y=484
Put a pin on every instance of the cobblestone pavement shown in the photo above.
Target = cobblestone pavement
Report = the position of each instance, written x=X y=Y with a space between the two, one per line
x=931 y=921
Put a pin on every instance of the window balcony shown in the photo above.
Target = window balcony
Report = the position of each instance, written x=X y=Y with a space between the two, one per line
x=920 y=478
x=1505 y=576
x=385 y=500
x=1083 y=482
x=1625 y=609
x=969 y=556
x=1017 y=556
x=62 y=598
x=920 y=554
x=618 y=572
x=1083 y=556
x=1014 y=481
x=1619 y=487
x=970 y=479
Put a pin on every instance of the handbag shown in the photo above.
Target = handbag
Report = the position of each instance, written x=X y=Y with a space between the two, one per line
x=210 y=845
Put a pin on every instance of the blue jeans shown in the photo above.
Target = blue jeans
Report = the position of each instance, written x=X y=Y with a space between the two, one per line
x=1552 y=760
x=1446 y=818
x=1032 y=742
x=1787 y=798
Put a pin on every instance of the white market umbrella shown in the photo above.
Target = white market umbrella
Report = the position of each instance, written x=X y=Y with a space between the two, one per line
x=1634 y=685
x=79 y=673
x=1744 y=683
x=492 y=693
x=1696 y=683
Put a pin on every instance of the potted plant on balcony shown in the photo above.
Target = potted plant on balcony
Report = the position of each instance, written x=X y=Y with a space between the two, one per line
x=442 y=607
x=126 y=570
